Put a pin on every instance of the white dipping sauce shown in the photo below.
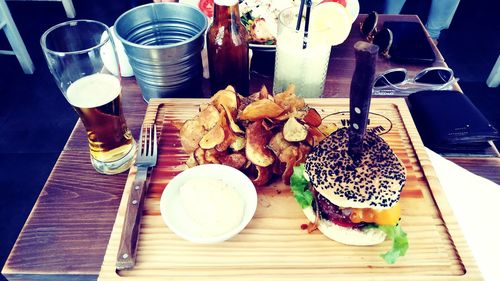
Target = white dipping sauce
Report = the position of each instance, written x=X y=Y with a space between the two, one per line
x=211 y=205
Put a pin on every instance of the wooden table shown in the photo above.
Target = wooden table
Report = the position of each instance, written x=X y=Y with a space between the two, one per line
x=66 y=234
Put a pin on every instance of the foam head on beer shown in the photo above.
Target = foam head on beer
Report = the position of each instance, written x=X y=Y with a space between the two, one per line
x=93 y=91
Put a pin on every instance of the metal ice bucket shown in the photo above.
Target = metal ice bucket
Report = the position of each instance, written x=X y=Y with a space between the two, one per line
x=163 y=42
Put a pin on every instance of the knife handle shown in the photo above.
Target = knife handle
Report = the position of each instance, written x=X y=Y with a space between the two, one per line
x=132 y=224
x=360 y=96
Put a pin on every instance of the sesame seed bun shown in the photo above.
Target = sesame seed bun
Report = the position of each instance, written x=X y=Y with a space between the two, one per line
x=376 y=182
x=346 y=235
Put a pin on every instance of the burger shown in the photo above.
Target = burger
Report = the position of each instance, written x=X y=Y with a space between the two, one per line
x=354 y=202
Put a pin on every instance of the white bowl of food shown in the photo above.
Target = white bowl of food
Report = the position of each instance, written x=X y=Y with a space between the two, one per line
x=208 y=203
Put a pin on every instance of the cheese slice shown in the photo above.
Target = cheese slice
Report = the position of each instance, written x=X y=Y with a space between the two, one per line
x=388 y=216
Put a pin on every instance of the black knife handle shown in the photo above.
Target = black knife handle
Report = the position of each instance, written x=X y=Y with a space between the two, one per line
x=360 y=95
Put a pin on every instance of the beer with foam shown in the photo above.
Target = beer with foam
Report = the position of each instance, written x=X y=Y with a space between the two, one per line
x=80 y=55
x=96 y=99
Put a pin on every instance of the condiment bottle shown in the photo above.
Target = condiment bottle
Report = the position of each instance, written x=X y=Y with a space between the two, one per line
x=227 y=45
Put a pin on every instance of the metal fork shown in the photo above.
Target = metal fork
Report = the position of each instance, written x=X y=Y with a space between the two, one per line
x=145 y=159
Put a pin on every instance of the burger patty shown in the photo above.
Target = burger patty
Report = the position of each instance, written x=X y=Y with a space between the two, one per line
x=333 y=213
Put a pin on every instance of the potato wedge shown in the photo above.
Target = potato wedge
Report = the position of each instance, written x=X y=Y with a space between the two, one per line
x=312 y=118
x=214 y=137
x=283 y=116
x=278 y=143
x=294 y=131
x=203 y=106
x=235 y=160
x=289 y=154
x=270 y=124
x=264 y=174
x=199 y=155
x=288 y=100
x=278 y=168
x=328 y=129
x=260 y=109
x=229 y=136
x=314 y=136
x=234 y=127
x=260 y=134
x=212 y=155
x=259 y=176
x=287 y=174
x=310 y=140
x=245 y=101
x=290 y=90
x=294 y=158
x=238 y=143
x=303 y=150
x=263 y=93
x=256 y=146
x=248 y=164
x=191 y=162
x=230 y=88
x=209 y=117
x=191 y=133
x=225 y=97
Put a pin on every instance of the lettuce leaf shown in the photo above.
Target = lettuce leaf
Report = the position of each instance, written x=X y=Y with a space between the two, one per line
x=399 y=242
x=300 y=187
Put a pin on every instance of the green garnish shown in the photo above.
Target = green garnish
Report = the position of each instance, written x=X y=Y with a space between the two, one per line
x=300 y=187
x=246 y=18
x=399 y=242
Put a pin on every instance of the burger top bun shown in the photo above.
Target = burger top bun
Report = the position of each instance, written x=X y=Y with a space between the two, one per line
x=346 y=235
x=375 y=182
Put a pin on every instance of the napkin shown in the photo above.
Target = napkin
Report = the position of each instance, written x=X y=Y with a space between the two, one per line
x=476 y=204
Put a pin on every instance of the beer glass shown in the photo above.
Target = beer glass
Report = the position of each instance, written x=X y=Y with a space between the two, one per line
x=80 y=55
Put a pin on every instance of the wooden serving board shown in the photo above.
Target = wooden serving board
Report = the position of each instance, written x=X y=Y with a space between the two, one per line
x=273 y=245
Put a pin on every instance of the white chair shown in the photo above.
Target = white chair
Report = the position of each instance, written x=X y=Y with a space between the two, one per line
x=67 y=4
x=494 y=77
x=69 y=8
x=15 y=40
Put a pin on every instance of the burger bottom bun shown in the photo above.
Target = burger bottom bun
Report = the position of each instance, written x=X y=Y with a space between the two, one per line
x=345 y=235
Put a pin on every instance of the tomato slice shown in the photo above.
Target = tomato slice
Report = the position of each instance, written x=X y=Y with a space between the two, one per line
x=207 y=7
x=341 y=2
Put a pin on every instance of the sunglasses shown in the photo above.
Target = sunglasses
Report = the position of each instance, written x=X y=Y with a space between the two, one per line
x=396 y=81
x=383 y=38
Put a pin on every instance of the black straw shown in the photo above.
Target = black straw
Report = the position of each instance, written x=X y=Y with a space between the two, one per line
x=299 y=18
x=306 y=27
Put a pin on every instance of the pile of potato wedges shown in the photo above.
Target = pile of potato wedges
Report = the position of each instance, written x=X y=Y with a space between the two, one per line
x=262 y=135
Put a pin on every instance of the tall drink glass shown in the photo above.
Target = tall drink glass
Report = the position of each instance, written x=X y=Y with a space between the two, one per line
x=304 y=67
x=78 y=53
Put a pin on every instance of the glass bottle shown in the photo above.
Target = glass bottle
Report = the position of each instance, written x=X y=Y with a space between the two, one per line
x=227 y=45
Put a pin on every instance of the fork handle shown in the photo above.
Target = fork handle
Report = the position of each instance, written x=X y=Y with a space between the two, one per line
x=132 y=224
